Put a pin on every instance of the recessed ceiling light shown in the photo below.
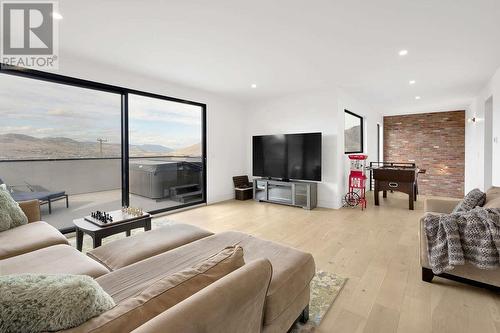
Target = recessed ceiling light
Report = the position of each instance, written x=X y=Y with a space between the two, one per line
x=417 y=97
x=253 y=85
x=412 y=82
x=403 y=52
x=57 y=16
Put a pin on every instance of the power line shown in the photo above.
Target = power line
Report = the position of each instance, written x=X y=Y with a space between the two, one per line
x=100 y=140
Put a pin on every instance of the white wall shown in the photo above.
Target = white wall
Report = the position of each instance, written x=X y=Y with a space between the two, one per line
x=320 y=111
x=371 y=118
x=474 y=147
x=225 y=137
x=495 y=89
x=488 y=143
x=475 y=135
x=301 y=113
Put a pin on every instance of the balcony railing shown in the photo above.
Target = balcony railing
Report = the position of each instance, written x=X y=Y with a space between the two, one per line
x=73 y=175
x=92 y=183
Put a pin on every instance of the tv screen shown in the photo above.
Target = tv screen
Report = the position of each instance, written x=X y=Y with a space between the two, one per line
x=288 y=156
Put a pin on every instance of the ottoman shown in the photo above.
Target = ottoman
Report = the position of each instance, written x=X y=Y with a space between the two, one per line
x=127 y=251
x=287 y=298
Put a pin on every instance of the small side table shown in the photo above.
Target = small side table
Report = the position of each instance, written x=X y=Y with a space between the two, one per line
x=98 y=233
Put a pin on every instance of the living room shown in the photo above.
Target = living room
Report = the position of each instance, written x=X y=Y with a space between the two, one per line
x=134 y=131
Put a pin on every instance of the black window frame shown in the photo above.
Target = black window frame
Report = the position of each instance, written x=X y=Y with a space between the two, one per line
x=123 y=92
x=362 y=133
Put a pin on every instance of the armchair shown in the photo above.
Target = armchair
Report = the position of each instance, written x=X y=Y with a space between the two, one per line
x=467 y=273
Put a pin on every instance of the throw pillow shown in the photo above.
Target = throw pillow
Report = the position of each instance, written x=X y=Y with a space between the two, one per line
x=41 y=303
x=11 y=215
x=473 y=199
x=161 y=295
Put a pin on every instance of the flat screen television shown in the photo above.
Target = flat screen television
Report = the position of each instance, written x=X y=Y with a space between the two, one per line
x=287 y=156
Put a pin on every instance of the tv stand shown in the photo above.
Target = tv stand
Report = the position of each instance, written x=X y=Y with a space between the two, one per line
x=292 y=193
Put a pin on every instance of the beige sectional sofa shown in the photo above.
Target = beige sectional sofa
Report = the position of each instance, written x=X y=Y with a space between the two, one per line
x=37 y=247
x=466 y=273
x=266 y=293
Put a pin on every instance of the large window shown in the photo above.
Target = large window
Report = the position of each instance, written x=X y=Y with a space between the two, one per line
x=66 y=137
x=353 y=133
x=62 y=141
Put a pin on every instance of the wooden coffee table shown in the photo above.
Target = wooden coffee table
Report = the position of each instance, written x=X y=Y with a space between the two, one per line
x=99 y=232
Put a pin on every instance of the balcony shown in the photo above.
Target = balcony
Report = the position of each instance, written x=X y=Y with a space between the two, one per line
x=156 y=183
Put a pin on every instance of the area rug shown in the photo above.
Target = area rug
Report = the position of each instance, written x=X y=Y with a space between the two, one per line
x=325 y=287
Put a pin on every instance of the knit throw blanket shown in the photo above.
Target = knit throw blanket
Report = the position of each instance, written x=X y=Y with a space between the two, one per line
x=457 y=238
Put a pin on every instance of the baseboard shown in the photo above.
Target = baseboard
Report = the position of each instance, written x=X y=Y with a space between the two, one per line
x=178 y=210
x=219 y=198
x=329 y=204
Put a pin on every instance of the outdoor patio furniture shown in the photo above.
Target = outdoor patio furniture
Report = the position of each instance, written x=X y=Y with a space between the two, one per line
x=37 y=192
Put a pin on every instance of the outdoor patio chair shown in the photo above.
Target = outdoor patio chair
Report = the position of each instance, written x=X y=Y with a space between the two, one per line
x=37 y=192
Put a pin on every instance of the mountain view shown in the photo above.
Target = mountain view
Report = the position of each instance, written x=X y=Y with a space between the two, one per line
x=352 y=138
x=20 y=146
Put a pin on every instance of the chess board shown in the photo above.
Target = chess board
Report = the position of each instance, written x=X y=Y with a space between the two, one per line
x=118 y=217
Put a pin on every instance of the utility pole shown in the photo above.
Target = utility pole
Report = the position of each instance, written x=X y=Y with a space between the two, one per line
x=100 y=140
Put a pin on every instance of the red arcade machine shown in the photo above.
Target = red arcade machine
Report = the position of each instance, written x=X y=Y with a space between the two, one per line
x=357 y=182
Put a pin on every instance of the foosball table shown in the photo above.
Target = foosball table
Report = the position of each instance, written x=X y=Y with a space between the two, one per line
x=401 y=177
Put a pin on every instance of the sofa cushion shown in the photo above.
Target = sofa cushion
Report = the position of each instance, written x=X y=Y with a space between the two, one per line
x=493 y=191
x=11 y=215
x=29 y=237
x=31 y=209
x=473 y=199
x=41 y=303
x=56 y=259
x=126 y=251
x=232 y=304
x=492 y=203
x=492 y=198
x=157 y=295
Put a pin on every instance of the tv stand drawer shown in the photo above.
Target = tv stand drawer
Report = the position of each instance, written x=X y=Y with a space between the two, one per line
x=279 y=193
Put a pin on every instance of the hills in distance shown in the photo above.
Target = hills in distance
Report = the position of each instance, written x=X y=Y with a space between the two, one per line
x=20 y=146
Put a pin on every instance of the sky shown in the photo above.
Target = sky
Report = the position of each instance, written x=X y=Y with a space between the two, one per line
x=44 y=109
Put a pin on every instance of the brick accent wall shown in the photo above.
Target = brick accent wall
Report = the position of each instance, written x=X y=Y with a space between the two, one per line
x=435 y=142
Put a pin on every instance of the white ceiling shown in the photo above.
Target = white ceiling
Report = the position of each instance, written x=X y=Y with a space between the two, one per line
x=290 y=46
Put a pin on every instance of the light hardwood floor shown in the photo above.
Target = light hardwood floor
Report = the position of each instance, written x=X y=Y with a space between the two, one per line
x=377 y=250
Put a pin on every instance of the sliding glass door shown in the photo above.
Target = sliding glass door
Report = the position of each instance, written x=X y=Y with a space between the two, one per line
x=78 y=146
x=166 y=155
x=61 y=145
